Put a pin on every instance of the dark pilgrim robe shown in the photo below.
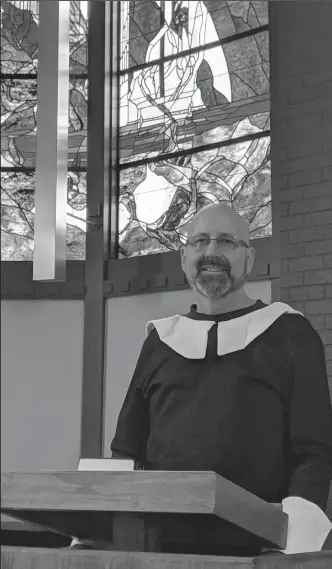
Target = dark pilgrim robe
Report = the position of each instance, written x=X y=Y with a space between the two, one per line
x=243 y=394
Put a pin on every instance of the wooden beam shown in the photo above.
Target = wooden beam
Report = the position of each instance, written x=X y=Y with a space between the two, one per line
x=42 y=497
x=28 y=558
x=96 y=240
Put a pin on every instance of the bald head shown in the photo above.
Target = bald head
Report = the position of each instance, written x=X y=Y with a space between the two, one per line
x=219 y=218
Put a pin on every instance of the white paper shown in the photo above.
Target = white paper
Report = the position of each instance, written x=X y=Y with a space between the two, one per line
x=106 y=464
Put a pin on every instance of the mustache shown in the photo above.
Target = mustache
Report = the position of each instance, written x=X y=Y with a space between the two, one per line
x=213 y=262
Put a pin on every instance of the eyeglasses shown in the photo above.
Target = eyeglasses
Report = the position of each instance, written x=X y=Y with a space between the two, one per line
x=201 y=242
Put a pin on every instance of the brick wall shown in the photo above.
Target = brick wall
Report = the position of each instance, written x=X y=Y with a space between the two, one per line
x=301 y=86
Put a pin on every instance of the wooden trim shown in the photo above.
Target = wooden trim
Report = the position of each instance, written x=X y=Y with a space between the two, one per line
x=37 y=557
x=17 y=283
x=123 y=277
x=114 y=133
x=96 y=240
x=41 y=539
x=163 y=272
x=92 y=501
x=276 y=141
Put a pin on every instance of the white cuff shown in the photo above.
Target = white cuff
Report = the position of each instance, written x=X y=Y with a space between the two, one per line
x=75 y=542
x=91 y=543
x=308 y=526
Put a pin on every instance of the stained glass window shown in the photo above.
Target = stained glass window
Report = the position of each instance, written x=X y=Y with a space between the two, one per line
x=194 y=117
x=19 y=69
x=17 y=215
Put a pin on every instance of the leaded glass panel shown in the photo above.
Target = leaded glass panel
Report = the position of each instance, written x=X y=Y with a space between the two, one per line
x=219 y=93
x=19 y=37
x=17 y=215
x=194 y=83
x=78 y=117
x=152 y=29
x=19 y=66
x=78 y=33
x=158 y=199
x=18 y=122
x=19 y=127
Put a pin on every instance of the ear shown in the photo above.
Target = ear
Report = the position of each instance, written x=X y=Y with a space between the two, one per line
x=251 y=254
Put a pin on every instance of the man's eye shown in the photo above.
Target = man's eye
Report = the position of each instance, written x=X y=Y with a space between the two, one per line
x=226 y=242
x=202 y=241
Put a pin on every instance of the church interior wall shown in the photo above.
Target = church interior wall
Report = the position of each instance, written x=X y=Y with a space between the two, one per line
x=41 y=384
x=301 y=157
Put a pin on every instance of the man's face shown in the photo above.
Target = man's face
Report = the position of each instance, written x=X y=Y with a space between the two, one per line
x=215 y=270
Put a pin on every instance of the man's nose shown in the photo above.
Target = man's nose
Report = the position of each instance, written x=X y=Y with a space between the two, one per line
x=212 y=249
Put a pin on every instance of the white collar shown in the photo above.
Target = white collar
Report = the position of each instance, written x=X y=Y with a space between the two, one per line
x=189 y=337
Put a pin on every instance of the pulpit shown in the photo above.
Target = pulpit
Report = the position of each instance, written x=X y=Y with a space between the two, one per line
x=124 y=509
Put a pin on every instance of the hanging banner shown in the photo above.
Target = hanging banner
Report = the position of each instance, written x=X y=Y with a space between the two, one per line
x=49 y=262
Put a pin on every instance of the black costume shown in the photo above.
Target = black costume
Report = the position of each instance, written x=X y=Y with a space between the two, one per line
x=244 y=394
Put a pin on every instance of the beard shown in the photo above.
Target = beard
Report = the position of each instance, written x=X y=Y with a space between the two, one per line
x=216 y=286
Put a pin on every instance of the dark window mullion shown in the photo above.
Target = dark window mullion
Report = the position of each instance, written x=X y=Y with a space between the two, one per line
x=34 y=76
x=162 y=52
x=21 y=76
x=28 y=170
x=195 y=150
x=193 y=50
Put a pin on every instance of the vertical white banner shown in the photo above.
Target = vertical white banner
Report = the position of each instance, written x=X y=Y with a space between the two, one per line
x=49 y=263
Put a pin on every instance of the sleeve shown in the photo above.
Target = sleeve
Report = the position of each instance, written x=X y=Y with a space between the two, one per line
x=310 y=420
x=310 y=444
x=133 y=424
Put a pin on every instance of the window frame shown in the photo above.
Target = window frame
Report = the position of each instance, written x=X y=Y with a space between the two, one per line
x=121 y=277
x=17 y=276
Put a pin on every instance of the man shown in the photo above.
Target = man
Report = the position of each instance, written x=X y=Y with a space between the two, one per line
x=237 y=387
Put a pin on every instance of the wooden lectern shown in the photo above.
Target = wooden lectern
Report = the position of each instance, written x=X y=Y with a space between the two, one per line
x=124 y=509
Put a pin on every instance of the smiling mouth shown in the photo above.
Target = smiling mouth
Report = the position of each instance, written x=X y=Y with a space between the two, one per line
x=213 y=269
